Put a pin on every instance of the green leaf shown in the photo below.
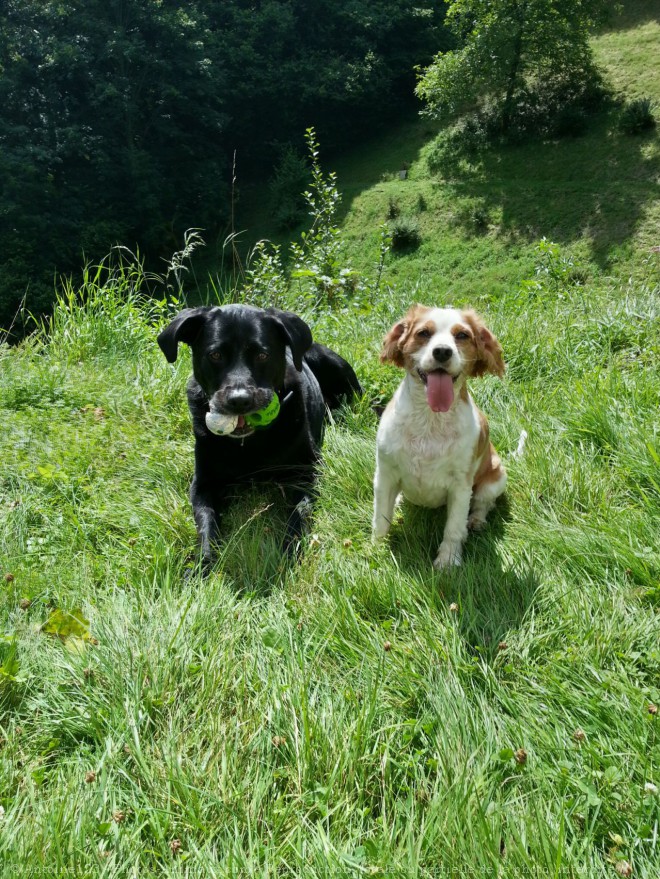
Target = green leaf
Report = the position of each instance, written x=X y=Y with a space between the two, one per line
x=11 y=666
x=592 y=795
x=270 y=638
x=644 y=831
x=38 y=775
x=68 y=625
x=611 y=774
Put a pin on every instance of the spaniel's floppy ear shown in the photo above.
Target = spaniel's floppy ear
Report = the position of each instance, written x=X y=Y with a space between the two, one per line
x=391 y=351
x=184 y=328
x=489 y=350
x=297 y=334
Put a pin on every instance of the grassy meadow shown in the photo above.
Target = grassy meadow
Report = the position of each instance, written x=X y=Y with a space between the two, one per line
x=355 y=713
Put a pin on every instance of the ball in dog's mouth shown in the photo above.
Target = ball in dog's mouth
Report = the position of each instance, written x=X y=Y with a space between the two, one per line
x=439 y=389
x=222 y=424
x=219 y=423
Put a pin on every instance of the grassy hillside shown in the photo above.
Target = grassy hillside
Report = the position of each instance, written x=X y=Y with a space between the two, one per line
x=598 y=195
x=355 y=714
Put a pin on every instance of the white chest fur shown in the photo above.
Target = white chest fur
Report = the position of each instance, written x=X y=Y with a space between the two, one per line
x=426 y=452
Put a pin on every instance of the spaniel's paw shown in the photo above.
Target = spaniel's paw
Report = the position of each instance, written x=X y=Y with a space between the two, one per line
x=449 y=555
x=476 y=522
x=379 y=529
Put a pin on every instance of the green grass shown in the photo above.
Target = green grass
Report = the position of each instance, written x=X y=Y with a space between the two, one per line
x=598 y=195
x=355 y=714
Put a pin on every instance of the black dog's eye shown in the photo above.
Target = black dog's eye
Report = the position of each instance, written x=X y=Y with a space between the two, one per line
x=423 y=334
x=460 y=337
x=263 y=355
x=215 y=356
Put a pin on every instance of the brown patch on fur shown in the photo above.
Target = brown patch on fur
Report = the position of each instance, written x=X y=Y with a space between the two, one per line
x=401 y=341
x=487 y=350
x=490 y=468
x=468 y=347
x=391 y=352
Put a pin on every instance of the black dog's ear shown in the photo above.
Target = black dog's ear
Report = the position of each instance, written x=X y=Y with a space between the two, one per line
x=184 y=328
x=297 y=334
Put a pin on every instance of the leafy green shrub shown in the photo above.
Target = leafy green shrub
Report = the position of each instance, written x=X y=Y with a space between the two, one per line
x=318 y=262
x=317 y=273
x=266 y=279
x=113 y=309
x=393 y=209
x=637 y=116
x=553 y=109
x=480 y=220
x=556 y=273
x=115 y=306
x=571 y=122
x=405 y=235
x=477 y=131
x=473 y=215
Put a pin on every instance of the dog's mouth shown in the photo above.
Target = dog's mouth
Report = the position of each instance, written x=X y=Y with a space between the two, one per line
x=222 y=424
x=242 y=429
x=439 y=388
x=435 y=372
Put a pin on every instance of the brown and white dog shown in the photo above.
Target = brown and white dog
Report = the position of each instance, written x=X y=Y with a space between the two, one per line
x=432 y=443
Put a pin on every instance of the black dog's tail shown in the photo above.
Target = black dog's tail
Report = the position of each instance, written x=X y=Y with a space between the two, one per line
x=336 y=377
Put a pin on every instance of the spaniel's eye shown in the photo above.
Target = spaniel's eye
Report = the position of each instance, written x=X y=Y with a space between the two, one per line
x=461 y=337
x=215 y=356
x=423 y=334
x=263 y=355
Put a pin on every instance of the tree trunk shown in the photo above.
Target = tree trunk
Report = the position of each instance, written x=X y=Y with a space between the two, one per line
x=516 y=63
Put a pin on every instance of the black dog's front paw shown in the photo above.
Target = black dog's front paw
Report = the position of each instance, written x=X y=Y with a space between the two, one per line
x=297 y=524
x=199 y=566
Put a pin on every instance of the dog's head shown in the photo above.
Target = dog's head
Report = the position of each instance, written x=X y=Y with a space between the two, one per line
x=441 y=347
x=238 y=354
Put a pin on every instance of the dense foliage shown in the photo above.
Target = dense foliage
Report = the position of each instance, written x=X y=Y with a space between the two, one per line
x=517 y=55
x=119 y=119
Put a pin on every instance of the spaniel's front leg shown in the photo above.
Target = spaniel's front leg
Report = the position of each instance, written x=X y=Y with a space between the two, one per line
x=458 y=506
x=387 y=485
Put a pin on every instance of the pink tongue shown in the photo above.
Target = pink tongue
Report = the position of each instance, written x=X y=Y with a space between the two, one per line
x=241 y=421
x=439 y=391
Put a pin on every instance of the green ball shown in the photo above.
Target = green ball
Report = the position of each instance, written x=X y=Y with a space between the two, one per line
x=264 y=416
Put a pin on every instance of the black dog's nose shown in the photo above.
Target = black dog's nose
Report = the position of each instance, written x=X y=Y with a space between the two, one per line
x=239 y=400
x=442 y=353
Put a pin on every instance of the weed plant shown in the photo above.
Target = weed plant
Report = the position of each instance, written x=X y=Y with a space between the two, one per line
x=405 y=234
x=637 y=116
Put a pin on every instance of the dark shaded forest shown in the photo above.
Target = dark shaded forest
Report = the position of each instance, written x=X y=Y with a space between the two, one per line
x=119 y=120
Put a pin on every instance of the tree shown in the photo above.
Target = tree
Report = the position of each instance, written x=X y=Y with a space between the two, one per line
x=119 y=118
x=101 y=137
x=509 y=49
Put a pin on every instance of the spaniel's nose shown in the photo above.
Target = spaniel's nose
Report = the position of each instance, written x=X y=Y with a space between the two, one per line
x=442 y=353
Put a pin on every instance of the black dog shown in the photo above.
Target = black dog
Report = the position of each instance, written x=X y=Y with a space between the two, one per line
x=242 y=356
